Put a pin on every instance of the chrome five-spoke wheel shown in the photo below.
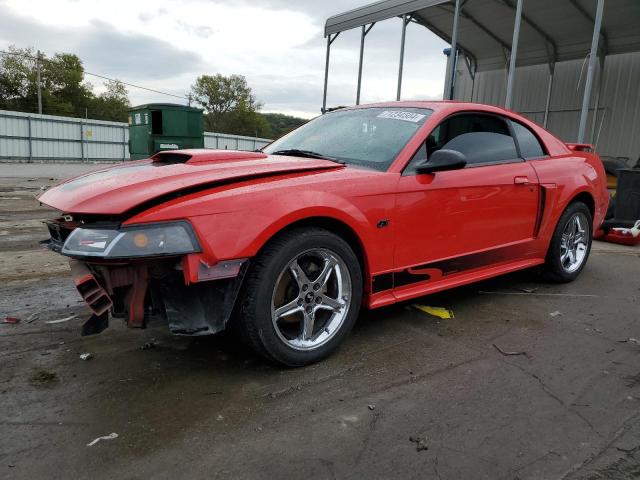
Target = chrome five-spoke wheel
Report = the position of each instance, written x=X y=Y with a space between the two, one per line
x=573 y=244
x=570 y=244
x=301 y=296
x=311 y=299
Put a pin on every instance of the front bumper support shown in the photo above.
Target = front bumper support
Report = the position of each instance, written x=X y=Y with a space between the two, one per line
x=138 y=291
x=200 y=308
x=91 y=291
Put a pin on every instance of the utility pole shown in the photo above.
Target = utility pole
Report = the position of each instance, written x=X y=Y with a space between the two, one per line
x=39 y=83
x=189 y=98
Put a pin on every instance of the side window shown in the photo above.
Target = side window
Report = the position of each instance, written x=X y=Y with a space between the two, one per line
x=418 y=157
x=481 y=138
x=529 y=145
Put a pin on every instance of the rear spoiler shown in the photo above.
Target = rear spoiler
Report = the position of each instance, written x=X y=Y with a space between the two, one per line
x=580 y=147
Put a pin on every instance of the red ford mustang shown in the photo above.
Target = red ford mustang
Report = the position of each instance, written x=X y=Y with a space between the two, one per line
x=362 y=206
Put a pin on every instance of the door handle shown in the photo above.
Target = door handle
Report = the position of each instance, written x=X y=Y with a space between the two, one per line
x=521 y=180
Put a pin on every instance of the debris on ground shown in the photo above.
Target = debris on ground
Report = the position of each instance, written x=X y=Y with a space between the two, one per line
x=635 y=341
x=148 y=345
x=506 y=353
x=421 y=443
x=439 y=312
x=623 y=236
x=33 y=317
x=557 y=313
x=528 y=290
x=43 y=377
x=86 y=356
x=632 y=381
x=284 y=391
x=371 y=407
x=61 y=320
x=111 y=436
x=11 y=320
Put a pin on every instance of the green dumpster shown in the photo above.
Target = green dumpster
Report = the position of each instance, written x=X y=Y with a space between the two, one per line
x=164 y=126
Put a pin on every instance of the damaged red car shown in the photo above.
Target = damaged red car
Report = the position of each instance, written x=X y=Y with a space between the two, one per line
x=363 y=206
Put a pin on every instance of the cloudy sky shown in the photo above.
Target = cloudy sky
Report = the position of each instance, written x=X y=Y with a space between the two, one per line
x=277 y=44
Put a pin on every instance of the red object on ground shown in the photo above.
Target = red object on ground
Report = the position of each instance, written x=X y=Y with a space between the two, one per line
x=11 y=320
x=621 y=238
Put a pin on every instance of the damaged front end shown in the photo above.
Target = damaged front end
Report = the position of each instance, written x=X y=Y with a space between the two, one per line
x=146 y=273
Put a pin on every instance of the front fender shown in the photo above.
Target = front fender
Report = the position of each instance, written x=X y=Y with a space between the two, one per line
x=309 y=205
x=242 y=234
x=239 y=226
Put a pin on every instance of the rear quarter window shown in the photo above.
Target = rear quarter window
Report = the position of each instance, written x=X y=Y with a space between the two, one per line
x=530 y=146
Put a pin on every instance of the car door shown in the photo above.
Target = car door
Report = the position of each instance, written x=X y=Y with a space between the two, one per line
x=458 y=220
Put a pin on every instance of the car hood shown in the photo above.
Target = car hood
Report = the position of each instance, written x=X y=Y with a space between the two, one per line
x=115 y=190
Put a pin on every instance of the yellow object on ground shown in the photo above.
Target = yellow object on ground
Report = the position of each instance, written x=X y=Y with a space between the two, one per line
x=439 y=312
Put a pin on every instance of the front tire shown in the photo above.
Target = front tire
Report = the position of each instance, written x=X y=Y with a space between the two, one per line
x=570 y=245
x=301 y=297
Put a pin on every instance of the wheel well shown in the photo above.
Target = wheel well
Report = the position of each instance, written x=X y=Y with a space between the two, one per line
x=336 y=227
x=587 y=199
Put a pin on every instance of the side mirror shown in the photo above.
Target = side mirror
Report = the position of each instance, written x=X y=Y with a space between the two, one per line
x=442 y=160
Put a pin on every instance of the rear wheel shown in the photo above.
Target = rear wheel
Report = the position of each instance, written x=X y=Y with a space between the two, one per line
x=301 y=297
x=570 y=244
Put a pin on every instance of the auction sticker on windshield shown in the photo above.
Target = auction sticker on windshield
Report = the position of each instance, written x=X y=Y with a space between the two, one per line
x=400 y=115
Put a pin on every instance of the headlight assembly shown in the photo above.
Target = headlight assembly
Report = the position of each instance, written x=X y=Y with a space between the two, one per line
x=153 y=240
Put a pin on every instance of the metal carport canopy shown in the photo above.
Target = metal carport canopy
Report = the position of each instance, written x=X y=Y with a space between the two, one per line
x=540 y=32
x=551 y=30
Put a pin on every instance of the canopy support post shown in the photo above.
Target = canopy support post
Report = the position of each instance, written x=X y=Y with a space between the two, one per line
x=405 y=20
x=472 y=73
x=330 y=40
x=451 y=64
x=514 y=55
x=552 y=69
x=596 y=106
x=593 y=58
x=365 y=30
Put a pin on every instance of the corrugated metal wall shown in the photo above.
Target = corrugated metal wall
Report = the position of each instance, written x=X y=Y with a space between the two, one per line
x=29 y=136
x=616 y=130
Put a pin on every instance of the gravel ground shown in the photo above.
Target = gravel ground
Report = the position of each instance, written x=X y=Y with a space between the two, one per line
x=407 y=396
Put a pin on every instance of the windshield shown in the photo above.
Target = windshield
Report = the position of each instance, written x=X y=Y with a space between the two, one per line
x=367 y=137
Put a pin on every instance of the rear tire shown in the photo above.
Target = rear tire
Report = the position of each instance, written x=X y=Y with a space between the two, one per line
x=570 y=245
x=300 y=298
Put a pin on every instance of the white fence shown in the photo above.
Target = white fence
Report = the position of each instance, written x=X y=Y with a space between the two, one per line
x=225 y=141
x=32 y=137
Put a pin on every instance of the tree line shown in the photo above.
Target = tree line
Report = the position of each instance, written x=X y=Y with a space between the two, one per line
x=228 y=102
x=64 y=90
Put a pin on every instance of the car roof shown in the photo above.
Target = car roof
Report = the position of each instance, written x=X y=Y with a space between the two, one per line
x=437 y=105
x=444 y=108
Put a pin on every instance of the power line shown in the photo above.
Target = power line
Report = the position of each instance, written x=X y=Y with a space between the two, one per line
x=17 y=54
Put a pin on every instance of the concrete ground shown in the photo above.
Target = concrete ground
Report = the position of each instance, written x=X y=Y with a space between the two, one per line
x=407 y=396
